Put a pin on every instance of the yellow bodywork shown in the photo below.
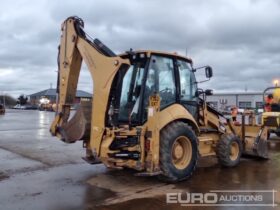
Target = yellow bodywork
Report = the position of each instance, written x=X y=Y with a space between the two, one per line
x=276 y=95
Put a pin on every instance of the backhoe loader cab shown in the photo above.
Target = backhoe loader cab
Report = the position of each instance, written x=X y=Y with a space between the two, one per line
x=168 y=75
x=147 y=112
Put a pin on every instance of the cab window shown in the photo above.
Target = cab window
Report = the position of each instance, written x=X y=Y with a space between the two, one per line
x=187 y=81
x=161 y=80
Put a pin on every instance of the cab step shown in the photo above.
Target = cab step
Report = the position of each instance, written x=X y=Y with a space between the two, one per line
x=155 y=173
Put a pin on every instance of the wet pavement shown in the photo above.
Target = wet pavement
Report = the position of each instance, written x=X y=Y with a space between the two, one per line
x=37 y=171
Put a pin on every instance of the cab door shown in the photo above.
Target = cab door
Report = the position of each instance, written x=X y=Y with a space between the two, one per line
x=160 y=79
x=188 y=87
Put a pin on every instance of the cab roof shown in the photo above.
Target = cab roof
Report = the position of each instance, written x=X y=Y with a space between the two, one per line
x=149 y=52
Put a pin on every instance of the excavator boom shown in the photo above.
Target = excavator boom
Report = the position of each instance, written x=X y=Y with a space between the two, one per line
x=103 y=65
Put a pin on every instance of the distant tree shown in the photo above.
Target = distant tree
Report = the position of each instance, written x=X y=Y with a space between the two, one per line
x=22 y=100
x=8 y=100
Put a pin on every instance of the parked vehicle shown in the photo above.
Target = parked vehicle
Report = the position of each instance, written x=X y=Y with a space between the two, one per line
x=2 y=109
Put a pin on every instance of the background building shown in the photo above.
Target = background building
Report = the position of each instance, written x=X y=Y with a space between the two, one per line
x=243 y=100
x=50 y=95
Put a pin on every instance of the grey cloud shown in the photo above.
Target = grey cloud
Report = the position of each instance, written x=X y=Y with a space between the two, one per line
x=239 y=39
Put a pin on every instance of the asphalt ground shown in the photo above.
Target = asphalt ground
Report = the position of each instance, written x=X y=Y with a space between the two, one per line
x=38 y=171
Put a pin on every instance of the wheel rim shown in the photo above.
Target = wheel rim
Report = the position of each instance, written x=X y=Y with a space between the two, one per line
x=181 y=152
x=234 y=151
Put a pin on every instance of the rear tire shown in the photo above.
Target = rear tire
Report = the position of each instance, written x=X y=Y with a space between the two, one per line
x=178 y=152
x=229 y=150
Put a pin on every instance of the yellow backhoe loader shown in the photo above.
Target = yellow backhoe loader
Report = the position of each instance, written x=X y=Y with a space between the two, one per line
x=271 y=118
x=147 y=112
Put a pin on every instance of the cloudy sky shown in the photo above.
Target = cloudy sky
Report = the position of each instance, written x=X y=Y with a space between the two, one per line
x=240 y=39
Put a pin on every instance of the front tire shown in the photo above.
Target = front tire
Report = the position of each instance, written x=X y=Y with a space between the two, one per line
x=229 y=150
x=178 y=152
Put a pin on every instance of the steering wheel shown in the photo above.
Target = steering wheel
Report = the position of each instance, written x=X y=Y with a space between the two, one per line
x=166 y=90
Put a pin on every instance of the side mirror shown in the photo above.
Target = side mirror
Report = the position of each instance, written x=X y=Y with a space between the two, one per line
x=209 y=92
x=208 y=72
x=198 y=92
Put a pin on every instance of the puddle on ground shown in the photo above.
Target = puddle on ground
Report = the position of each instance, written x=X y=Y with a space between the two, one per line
x=128 y=187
